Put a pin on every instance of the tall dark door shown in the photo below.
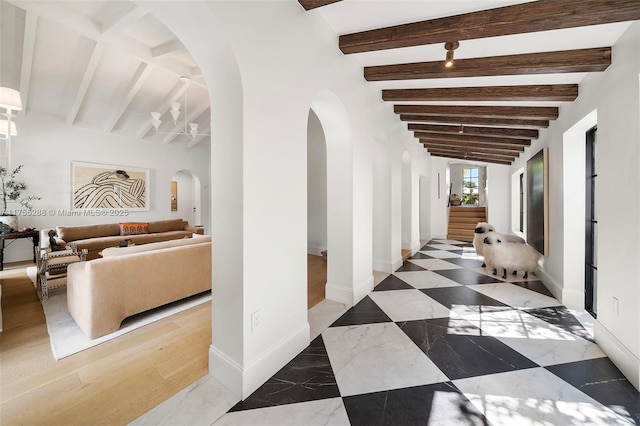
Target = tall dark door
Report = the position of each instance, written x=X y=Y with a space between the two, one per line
x=591 y=224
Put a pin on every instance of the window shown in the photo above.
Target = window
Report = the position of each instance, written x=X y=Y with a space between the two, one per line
x=470 y=185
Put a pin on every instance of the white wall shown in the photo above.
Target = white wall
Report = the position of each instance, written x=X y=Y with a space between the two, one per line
x=316 y=187
x=259 y=151
x=615 y=95
x=46 y=145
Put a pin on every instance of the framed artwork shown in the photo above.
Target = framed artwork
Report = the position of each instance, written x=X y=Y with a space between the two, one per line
x=174 y=196
x=104 y=186
x=538 y=201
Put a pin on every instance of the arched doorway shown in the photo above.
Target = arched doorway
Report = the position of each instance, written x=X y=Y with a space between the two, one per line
x=186 y=197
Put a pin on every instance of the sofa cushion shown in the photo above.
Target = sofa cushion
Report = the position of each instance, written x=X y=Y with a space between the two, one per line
x=82 y=232
x=166 y=225
x=117 y=251
x=135 y=228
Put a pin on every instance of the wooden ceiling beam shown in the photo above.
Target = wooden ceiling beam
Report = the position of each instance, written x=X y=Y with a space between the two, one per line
x=473 y=139
x=474 y=148
x=483 y=159
x=313 y=4
x=569 y=61
x=475 y=120
x=502 y=146
x=519 y=112
x=546 y=93
x=541 y=15
x=505 y=132
x=462 y=151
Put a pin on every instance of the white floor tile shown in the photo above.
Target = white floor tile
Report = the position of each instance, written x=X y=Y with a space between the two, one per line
x=514 y=295
x=199 y=404
x=322 y=412
x=425 y=279
x=375 y=357
x=443 y=246
x=408 y=305
x=323 y=315
x=541 y=342
x=434 y=264
x=440 y=254
x=534 y=396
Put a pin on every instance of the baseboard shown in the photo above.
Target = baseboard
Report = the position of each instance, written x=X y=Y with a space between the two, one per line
x=553 y=286
x=620 y=355
x=315 y=250
x=386 y=266
x=439 y=237
x=349 y=295
x=244 y=381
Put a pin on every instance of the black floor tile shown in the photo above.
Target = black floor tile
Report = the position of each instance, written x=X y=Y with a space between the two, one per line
x=536 y=286
x=467 y=277
x=458 y=252
x=307 y=377
x=456 y=296
x=465 y=263
x=392 y=283
x=561 y=317
x=364 y=312
x=459 y=350
x=601 y=380
x=419 y=255
x=437 y=404
x=408 y=266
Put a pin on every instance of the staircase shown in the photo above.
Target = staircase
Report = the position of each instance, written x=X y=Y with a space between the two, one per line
x=463 y=220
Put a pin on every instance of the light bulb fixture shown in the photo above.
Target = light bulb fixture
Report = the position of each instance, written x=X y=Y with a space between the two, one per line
x=450 y=47
x=461 y=129
x=7 y=128
x=189 y=129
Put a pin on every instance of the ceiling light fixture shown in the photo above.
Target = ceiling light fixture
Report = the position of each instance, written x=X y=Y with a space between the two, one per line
x=190 y=129
x=461 y=129
x=450 y=47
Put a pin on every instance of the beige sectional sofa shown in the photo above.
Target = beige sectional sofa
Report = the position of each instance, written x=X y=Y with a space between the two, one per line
x=126 y=281
x=95 y=238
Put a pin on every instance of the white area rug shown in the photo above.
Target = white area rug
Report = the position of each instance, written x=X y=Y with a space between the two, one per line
x=67 y=338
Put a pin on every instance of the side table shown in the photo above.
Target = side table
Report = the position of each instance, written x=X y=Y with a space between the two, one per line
x=33 y=235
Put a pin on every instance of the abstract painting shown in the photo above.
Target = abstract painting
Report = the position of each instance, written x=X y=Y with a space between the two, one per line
x=103 y=186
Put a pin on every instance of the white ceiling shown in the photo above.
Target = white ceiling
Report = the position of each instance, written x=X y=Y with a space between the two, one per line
x=106 y=65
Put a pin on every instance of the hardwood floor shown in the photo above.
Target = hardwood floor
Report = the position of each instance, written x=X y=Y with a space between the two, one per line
x=112 y=383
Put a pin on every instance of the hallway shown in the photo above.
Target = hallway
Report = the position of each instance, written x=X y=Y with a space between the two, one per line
x=441 y=341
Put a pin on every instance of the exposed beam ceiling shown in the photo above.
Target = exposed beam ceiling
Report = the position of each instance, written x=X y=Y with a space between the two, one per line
x=516 y=112
x=549 y=93
x=515 y=122
x=504 y=132
x=541 y=15
x=584 y=60
x=469 y=139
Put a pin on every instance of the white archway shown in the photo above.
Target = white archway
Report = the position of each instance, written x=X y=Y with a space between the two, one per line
x=341 y=284
x=406 y=184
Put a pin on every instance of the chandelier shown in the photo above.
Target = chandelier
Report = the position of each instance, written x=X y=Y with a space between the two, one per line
x=189 y=129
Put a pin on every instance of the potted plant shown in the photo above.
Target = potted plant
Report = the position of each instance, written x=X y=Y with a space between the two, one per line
x=12 y=190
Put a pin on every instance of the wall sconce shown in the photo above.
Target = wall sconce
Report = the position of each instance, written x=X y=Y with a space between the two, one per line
x=450 y=47
x=461 y=129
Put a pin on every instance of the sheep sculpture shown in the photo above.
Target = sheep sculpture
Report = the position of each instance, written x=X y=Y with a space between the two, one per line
x=505 y=255
x=481 y=231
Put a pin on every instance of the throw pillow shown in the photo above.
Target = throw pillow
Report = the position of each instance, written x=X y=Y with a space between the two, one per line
x=134 y=228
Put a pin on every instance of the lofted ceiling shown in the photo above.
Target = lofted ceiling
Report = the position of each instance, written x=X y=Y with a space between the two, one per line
x=517 y=63
x=105 y=65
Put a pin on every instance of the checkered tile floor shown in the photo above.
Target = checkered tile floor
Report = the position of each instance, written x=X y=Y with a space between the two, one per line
x=442 y=341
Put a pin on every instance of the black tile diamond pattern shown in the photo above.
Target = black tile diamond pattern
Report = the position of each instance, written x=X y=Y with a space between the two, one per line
x=447 y=354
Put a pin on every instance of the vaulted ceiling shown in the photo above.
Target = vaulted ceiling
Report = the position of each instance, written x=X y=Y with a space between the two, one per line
x=516 y=64
x=105 y=65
